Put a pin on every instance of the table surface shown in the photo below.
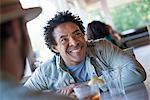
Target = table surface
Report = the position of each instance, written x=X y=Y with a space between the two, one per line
x=134 y=92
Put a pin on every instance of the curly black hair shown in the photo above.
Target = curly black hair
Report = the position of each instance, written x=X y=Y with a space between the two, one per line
x=60 y=17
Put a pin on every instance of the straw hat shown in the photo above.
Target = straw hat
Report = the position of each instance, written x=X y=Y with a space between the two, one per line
x=10 y=9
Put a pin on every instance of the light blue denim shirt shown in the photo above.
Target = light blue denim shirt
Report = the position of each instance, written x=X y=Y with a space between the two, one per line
x=10 y=89
x=100 y=54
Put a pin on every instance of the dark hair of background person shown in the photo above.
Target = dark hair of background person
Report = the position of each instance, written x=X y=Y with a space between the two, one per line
x=97 y=30
x=60 y=17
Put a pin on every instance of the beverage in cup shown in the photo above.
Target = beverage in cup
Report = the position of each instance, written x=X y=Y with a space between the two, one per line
x=86 y=92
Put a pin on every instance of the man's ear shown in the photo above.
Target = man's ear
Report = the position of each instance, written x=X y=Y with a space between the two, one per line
x=55 y=48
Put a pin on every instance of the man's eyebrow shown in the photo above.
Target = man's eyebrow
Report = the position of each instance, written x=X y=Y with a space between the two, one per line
x=63 y=36
x=77 y=30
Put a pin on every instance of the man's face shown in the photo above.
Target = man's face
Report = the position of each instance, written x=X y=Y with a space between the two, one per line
x=22 y=43
x=70 y=43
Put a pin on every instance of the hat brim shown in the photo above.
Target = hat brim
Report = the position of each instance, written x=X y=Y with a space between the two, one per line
x=11 y=13
x=32 y=13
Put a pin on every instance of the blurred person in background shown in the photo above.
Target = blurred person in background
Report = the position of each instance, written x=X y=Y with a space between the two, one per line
x=77 y=60
x=97 y=30
x=14 y=46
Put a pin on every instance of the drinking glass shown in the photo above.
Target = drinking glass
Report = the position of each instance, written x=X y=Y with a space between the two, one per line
x=114 y=81
x=86 y=92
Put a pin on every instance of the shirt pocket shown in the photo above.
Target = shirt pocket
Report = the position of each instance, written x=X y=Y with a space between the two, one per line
x=51 y=82
x=62 y=83
x=57 y=83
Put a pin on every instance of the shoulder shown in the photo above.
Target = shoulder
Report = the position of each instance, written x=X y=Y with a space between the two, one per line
x=99 y=43
x=102 y=47
x=48 y=66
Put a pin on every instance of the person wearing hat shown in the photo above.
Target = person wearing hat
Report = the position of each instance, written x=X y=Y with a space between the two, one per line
x=14 y=44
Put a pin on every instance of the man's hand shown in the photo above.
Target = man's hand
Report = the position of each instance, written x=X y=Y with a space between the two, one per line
x=68 y=90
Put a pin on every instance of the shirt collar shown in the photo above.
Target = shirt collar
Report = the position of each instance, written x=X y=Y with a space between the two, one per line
x=60 y=63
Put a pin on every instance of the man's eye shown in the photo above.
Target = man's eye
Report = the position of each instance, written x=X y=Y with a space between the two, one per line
x=64 y=40
x=78 y=34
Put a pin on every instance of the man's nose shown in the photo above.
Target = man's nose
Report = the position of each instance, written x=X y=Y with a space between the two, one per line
x=73 y=41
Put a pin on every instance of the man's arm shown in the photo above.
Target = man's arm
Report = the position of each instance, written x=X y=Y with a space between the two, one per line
x=36 y=81
x=132 y=70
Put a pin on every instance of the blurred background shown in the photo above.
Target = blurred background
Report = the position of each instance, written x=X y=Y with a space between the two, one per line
x=129 y=18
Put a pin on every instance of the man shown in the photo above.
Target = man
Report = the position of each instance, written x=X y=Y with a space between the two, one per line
x=76 y=60
x=13 y=52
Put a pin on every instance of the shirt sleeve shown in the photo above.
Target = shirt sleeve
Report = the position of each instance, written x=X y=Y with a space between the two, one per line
x=37 y=81
x=132 y=71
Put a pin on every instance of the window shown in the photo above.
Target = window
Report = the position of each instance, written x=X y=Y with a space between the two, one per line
x=36 y=30
x=123 y=14
x=130 y=14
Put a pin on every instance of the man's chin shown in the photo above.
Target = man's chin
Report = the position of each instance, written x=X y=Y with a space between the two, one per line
x=78 y=59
